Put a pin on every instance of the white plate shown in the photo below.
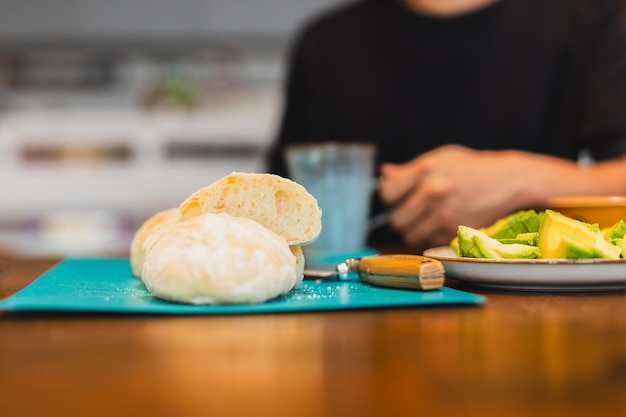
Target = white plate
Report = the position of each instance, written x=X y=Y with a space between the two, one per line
x=560 y=275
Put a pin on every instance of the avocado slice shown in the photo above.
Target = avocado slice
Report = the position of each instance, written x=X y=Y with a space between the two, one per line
x=564 y=237
x=477 y=244
x=508 y=227
x=467 y=245
x=518 y=251
x=454 y=244
x=529 y=238
x=617 y=231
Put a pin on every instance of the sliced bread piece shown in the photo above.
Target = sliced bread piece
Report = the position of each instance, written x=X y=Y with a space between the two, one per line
x=300 y=259
x=277 y=203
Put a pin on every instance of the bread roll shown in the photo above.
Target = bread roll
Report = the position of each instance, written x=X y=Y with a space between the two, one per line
x=297 y=252
x=219 y=259
x=277 y=203
x=147 y=233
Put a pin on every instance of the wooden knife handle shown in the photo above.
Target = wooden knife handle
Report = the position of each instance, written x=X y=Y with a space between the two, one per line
x=402 y=271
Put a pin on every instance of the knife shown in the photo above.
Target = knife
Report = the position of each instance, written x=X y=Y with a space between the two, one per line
x=397 y=271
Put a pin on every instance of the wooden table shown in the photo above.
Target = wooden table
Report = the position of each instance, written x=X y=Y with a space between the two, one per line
x=516 y=355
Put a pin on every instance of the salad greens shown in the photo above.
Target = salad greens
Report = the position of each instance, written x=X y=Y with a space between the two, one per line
x=528 y=234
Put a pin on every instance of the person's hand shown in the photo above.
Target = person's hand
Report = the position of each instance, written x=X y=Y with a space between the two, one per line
x=452 y=185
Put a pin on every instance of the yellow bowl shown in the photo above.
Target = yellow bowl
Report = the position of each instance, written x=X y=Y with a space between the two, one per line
x=604 y=210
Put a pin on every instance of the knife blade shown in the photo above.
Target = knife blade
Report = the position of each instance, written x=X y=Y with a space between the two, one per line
x=396 y=271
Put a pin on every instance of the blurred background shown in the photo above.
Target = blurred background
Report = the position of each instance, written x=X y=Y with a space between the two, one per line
x=113 y=110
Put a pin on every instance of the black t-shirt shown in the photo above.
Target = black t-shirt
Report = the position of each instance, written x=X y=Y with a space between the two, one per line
x=545 y=76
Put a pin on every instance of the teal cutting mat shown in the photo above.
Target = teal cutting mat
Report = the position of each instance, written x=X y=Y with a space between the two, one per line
x=106 y=285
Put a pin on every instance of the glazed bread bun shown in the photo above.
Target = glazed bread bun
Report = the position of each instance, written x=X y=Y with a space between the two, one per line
x=279 y=204
x=219 y=259
x=146 y=235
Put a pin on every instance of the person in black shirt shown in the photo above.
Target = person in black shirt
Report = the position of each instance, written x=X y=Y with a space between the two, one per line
x=479 y=107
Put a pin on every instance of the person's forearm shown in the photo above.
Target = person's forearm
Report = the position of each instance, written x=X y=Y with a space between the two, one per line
x=544 y=177
x=607 y=178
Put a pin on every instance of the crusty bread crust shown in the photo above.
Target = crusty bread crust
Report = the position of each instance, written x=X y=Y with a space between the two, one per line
x=219 y=259
x=277 y=203
x=146 y=235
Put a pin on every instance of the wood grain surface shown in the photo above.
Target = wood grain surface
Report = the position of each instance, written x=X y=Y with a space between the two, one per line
x=519 y=354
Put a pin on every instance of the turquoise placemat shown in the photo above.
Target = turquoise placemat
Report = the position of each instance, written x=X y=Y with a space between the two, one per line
x=106 y=285
x=328 y=262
